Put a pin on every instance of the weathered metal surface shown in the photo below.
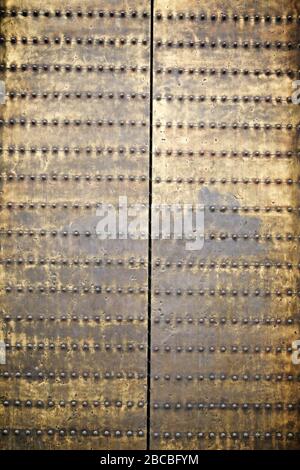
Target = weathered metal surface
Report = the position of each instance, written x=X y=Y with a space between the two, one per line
x=75 y=132
x=224 y=318
x=74 y=308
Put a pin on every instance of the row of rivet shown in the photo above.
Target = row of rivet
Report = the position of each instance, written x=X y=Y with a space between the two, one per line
x=223 y=209
x=77 y=68
x=225 y=264
x=133 y=123
x=91 y=41
x=132 y=375
x=75 y=205
x=222 y=16
x=131 y=262
x=65 y=233
x=73 y=403
x=78 y=94
x=213 y=16
x=89 y=205
x=234 y=378
x=96 y=347
x=224 y=406
x=141 y=290
x=156 y=406
x=227 y=153
x=206 y=237
x=124 y=95
x=74 y=289
x=76 y=318
x=278 y=435
x=212 y=321
x=179 y=320
x=73 y=375
x=141 y=347
x=78 y=13
x=223 y=349
x=76 y=347
x=246 y=181
x=72 y=432
x=75 y=233
x=73 y=122
x=122 y=41
x=68 y=177
x=205 y=125
x=228 y=435
x=222 y=292
x=134 y=68
x=12 y=149
x=214 y=44
x=226 y=71
x=157 y=179
x=225 y=98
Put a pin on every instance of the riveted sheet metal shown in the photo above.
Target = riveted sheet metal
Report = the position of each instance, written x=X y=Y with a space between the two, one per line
x=74 y=134
x=224 y=318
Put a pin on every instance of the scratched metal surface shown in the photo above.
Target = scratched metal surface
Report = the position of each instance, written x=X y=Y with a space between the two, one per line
x=224 y=318
x=73 y=308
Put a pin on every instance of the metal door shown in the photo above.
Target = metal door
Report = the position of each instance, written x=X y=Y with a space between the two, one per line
x=75 y=139
x=171 y=111
x=225 y=318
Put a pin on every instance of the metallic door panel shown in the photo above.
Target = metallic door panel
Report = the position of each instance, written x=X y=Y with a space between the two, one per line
x=83 y=110
x=74 y=308
x=224 y=318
